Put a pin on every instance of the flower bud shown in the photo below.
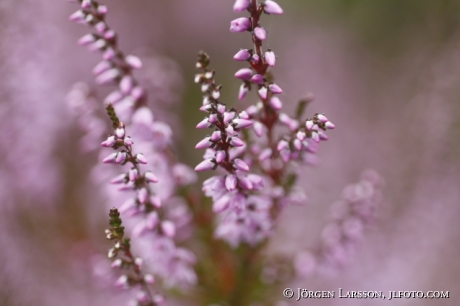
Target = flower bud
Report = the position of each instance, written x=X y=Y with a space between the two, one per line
x=128 y=141
x=228 y=116
x=133 y=61
x=240 y=25
x=321 y=118
x=329 y=125
x=203 y=143
x=142 y=195
x=215 y=136
x=263 y=93
x=207 y=164
x=110 y=159
x=107 y=76
x=230 y=182
x=282 y=144
x=101 y=67
x=133 y=174
x=240 y=5
x=257 y=79
x=203 y=124
x=270 y=58
x=119 y=179
x=140 y=158
x=242 y=123
x=120 y=157
x=78 y=16
x=149 y=279
x=150 y=177
x=245 y=183
x=109 y=142
x=275 y=89
x=260 y=33
x=120 y=132
x=239 y=164
x=220 y=156
x=258 y=128
x=168 y=228
x=244 y=74
x=242 y=55
x=271 y=7
x=243 y=91
x=265 y=154
x=276 y=103
x=126 y=84
x=86 y=40
x=236 y=142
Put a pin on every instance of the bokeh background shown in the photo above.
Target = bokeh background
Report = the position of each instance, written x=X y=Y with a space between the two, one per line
x=386 y=72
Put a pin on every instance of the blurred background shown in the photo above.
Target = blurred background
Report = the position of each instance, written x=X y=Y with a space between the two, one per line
x=386 y=72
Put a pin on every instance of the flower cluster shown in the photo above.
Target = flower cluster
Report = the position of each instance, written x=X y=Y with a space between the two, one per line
x=123 y=259
x=224 y=147
x=115 y=66
x=249 y=215
x=162 y=215
x=265 y=114
x=254 y=152
x=349 y=218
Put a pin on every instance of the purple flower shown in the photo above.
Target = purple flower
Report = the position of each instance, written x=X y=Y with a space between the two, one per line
x=263 y=93
x=242 y=55
x=271 y=7
x=242 y=123
x=207 y=164
x=240 y=25
x=240 y=165
x=276 y=103
x=270 y=58
x=204 y=143
x=230 y=182
x=220 y=156
x=260 y=33
x=133 y=61
x=275 y=89
x=140 y=158
x=257 y=79
x=240 y=5
x=236 y=142
x=244 y=74
x=242 y=91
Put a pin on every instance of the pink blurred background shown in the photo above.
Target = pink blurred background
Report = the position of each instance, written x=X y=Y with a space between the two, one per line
x=385 y=72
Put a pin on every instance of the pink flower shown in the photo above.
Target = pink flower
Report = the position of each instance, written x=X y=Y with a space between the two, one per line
x=242 y=55
x=271 y=7
x=240 y=5
x=260 y=33
x=240 y=25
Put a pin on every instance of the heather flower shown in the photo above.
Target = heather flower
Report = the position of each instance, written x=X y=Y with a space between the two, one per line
x=134 y=127
x=349 y=217
x=240 y=25
x=260 y=33
x=242 y=55
x=271 y=7
x=123 y=260
x=270 y=58
x=240 y=5
x=255 y=155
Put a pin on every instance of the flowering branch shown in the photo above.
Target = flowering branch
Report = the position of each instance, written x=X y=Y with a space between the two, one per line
x=123 y=259
x=349 y=217
x=249 y=215
x=127 y=110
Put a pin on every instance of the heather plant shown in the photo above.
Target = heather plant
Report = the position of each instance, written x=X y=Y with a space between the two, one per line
x=210 y=246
